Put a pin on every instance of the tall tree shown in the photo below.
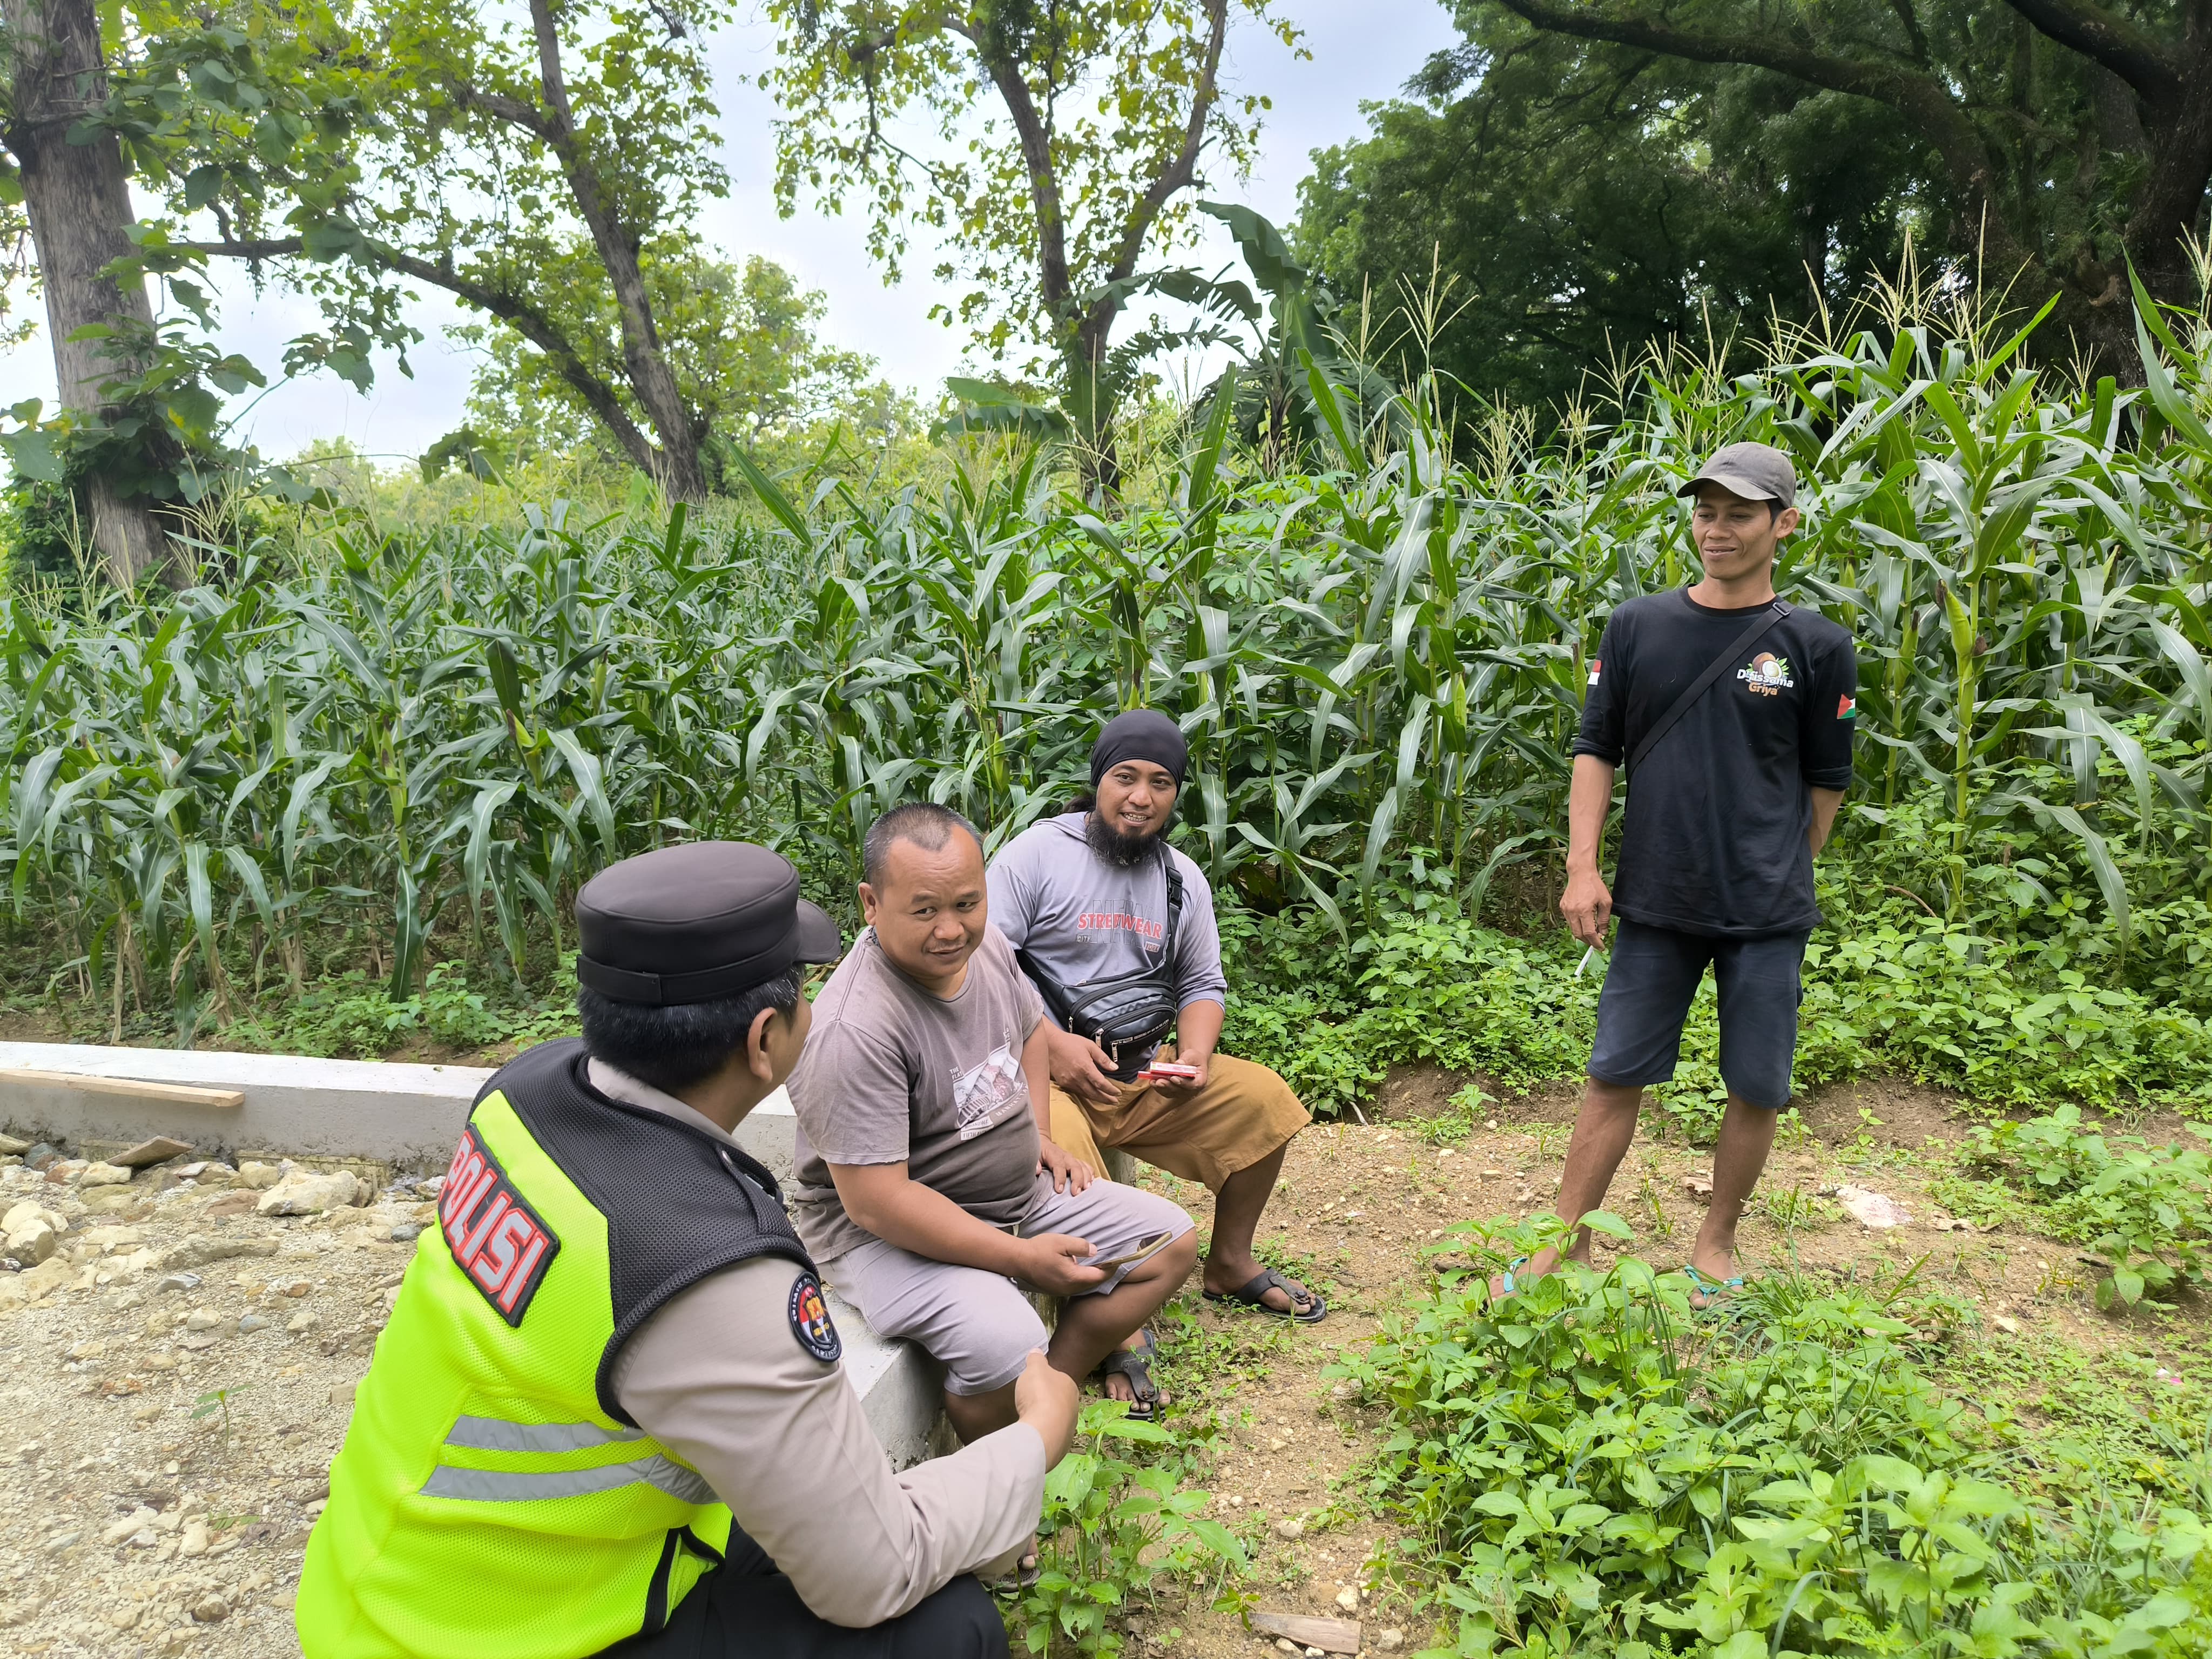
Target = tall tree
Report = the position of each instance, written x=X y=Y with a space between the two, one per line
x=69 y=174
x=2072 y=138
x=1104 y=113
x=1575 y=202
x=493 y=146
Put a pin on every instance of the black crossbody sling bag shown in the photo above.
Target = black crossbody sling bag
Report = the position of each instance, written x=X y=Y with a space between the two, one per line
x=1696 y=689
x=1129 y=1013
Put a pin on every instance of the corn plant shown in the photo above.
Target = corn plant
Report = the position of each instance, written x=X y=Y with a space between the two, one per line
x=353 y=746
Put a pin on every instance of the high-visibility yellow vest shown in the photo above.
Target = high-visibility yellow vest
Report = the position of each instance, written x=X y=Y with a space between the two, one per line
x=489 y=1502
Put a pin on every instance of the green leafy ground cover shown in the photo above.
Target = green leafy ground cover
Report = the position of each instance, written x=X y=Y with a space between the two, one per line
x=1591 y=1467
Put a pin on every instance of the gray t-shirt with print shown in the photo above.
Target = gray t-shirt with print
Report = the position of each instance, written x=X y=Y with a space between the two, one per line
x=1082 y=917
x=893 y=1074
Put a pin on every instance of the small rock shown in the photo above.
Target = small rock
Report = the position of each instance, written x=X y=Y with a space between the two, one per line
x=9 y=1146
x=63 y=1541
x=313 y=1509
x=159 y=1150
x=31 y=1242
x=1391 y=1640
x=161 y=1362
x=2007 y=1324
x=196 y=1540
x=1288 y=1528
x=1287 y=1645
x=210 y=1609
x=1699 y=1186
x=67 y=1169
x=232 y=1204
x=406 y=1232
x=253 y=1323
x=92 y=1348
x=258 y=1177
x=1348 y=1599
x=120 y=1531
x=302 y=1321
x=1872 y=1209
x=104 y=1175
x=1944 y=1224
x=307 y=1193
x=295 y=1288
x=202 y=1319
x=41 y=1156
x=180 y=1282
x=342 y=1395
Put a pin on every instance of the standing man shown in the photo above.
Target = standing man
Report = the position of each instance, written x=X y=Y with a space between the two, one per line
x=1098 y=903
x=607 y=1414
x=1734 y=711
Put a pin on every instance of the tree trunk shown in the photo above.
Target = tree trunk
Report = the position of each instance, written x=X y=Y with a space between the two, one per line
x=78 y=200
x=1089 y=402
x=643 y=356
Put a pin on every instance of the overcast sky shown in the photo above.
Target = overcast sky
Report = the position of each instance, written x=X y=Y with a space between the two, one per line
x=1362 y=51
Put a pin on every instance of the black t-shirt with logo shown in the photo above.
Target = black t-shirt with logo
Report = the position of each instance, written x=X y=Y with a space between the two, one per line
x=1713 y=839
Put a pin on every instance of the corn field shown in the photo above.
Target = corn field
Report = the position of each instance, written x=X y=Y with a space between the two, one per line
x=349 y=748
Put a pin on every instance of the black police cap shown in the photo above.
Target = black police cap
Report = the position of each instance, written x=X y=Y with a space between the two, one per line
x=689 y=924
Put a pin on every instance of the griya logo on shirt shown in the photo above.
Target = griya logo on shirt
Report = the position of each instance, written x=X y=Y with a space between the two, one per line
x=498 y=1240
x=1768 y=675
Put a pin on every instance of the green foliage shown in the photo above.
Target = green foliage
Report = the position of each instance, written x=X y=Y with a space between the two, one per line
x=2146 y=1209
x=1620 y=200
x=1113 y=1529
x=362 y=731
x=1588 y=1464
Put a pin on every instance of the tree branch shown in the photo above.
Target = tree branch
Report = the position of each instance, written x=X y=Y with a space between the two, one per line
x=1924 y=98
x=527 y=320
x=499 y=107
x=1180 y=171
x=2137 y=58
x=1044 y=179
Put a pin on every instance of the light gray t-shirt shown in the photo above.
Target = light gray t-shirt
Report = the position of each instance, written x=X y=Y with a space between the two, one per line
x=893 y=1074
x=1081 y=917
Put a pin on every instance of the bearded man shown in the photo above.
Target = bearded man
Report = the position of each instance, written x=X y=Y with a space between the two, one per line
x=1112 y=924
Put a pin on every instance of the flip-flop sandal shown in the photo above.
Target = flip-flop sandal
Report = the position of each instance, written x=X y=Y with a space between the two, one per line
x=1509 y=1288
x=1253 y=1295
x=1024 y=1577
x=1136 y=1364
x=1714 y=1291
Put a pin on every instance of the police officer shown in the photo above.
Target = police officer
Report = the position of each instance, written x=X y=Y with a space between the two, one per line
x=607 y=1412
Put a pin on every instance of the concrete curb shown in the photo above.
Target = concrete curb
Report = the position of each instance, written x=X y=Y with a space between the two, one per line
x=408 y=1117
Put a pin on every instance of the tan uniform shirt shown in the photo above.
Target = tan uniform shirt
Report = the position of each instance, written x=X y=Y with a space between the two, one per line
x=718 y=1378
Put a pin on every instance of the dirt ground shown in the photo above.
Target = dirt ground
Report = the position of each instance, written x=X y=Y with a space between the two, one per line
x=114 y=1357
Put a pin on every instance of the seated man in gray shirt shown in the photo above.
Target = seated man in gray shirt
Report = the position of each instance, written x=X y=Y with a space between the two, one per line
x=927 y=1189
x=1085 y=898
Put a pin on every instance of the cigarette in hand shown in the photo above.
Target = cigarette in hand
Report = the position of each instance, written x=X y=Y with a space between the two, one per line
x=1585 y=962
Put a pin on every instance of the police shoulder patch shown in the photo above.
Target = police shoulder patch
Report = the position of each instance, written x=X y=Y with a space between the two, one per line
x=501 y=1245
x=809 y=1320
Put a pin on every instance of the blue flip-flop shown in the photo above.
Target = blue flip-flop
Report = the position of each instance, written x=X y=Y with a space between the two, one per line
x=1709 y=1289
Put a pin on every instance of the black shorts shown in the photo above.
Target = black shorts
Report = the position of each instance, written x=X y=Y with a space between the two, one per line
x=1649 y=980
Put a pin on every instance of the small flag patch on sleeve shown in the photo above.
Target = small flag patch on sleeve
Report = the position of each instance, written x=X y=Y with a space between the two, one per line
x=1846 y=707
x=1595 y=665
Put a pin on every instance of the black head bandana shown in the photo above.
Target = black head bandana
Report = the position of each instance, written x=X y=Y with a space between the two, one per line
x=1144 y=734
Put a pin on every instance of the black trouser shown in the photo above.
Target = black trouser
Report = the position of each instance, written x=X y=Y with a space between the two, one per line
x=745 y=1609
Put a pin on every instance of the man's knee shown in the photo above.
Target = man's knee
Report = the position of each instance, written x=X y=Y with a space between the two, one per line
x=960 y=1621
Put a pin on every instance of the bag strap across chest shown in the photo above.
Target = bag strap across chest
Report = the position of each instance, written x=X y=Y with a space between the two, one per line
x=1697 y=687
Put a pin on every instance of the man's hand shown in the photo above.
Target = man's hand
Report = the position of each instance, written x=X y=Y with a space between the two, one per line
x=1054 y=1263
x=1588 y=906
x=1046 y=1400
x=1190 y=1085
x=1070 y=1174
x=1083 y=1068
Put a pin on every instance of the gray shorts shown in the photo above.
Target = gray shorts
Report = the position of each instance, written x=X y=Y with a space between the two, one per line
x=1649 y=980
x=980 y=1326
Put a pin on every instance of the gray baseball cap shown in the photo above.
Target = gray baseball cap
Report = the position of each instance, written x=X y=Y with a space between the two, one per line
x=1758 y=472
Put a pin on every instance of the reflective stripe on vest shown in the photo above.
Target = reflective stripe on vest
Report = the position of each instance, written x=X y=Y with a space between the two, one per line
x=505 y=1486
